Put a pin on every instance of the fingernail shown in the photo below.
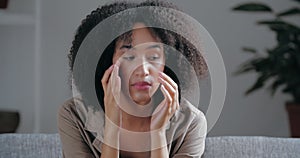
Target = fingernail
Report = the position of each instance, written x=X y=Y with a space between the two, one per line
x=159 y=78
x=111 y=66
x=160 y=74
x=174 y=108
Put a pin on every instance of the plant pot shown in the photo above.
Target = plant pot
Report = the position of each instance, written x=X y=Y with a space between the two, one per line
x=9 y=121
x=3 y=4
x=294 y=118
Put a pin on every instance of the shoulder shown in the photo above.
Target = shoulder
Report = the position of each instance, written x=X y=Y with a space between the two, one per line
x=67 y=107
x=68 y=110
x=190 y=128
x=187 y=119
x=192 y=112
x=194 y=119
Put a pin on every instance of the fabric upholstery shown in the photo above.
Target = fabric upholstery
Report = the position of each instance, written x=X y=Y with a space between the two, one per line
x=49 y=146
x=252 y=147
x=30 y=146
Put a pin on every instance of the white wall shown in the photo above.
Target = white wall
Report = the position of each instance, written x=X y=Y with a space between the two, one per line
x=59 y=20
x=16 y=64
x=257 y=114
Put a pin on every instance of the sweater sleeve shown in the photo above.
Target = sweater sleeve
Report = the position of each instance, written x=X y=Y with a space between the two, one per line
x=194 y=141
x=71 y=133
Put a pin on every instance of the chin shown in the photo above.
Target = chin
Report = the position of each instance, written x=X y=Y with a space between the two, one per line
x=141 y=100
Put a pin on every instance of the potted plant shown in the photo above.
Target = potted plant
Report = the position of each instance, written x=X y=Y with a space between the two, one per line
x=280 y=65
x=3 y=4
x=9 y=121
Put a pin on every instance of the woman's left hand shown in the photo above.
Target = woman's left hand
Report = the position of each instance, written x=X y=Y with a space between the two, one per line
x=166 y=109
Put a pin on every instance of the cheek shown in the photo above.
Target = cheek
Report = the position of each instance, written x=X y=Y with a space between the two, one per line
x=126 y=71
x=115 y=58
x=124 y=74
x=159 y=66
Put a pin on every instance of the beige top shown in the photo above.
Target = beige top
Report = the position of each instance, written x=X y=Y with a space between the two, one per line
x=81 y=131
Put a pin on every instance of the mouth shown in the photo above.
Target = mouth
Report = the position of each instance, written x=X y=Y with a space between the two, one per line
x=143 y=85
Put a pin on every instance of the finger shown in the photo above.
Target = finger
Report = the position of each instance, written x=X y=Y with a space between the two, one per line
x=118 y=79
x=118 y=63
x=168 y=79
x=168 y=87
x=116 y=83
x=175 y=106
x=167 y=97
x=166 y=94
x=161 y=114
x=109 y=86
x=111 y=82
x=161 y=107
x=114 y=76
x=106 y=77
x=117 y=89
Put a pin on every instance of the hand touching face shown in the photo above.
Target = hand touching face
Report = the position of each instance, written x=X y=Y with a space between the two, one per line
x=140 y=62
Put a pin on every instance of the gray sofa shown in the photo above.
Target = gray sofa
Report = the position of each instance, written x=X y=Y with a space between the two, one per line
x=48 y=146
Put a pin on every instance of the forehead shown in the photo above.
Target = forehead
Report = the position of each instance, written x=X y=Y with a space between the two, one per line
x=139 y=35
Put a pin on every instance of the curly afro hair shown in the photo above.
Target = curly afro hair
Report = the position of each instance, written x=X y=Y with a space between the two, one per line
x=165 y=17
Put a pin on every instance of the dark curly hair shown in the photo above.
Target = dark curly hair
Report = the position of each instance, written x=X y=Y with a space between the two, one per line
x=169 y=38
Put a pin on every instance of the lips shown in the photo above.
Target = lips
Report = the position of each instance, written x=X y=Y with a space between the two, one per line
x=143 y=85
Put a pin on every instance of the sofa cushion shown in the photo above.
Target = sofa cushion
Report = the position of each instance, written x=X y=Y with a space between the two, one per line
x=49 y=146
x=251 y=147
x=30 y=146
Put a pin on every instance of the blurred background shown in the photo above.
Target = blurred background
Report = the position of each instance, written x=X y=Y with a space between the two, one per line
x=36 y=35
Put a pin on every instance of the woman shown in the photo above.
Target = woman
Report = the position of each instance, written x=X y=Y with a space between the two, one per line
x=139 y=94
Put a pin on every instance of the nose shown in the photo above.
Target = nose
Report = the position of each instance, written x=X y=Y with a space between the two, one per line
x=144 y=68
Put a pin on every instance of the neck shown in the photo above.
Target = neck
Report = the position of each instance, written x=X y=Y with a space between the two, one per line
x=135 y=123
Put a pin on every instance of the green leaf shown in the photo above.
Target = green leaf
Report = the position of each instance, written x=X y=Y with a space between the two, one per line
x=280 y=50
x=282 y=61
x=249 y=50
x=262 y=64
x=250 y=65
x=273 y=87
x=244 y=68
x=253 y=7
x=291 y=11
x=297 y=1
x=258 y=84
x=283 y=37
x=279 y=25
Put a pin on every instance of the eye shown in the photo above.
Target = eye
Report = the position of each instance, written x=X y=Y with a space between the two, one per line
x=153 y=57
x=129 y=46
x=129 y=57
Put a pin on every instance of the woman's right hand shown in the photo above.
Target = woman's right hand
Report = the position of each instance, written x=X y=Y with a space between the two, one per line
x=111 y=83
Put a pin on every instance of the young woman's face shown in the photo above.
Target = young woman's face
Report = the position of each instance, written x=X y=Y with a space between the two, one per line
x=140 y=61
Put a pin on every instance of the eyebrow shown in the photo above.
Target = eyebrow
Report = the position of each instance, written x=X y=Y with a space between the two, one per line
x=126 y=46
x=149 y=47
x=154 y=46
